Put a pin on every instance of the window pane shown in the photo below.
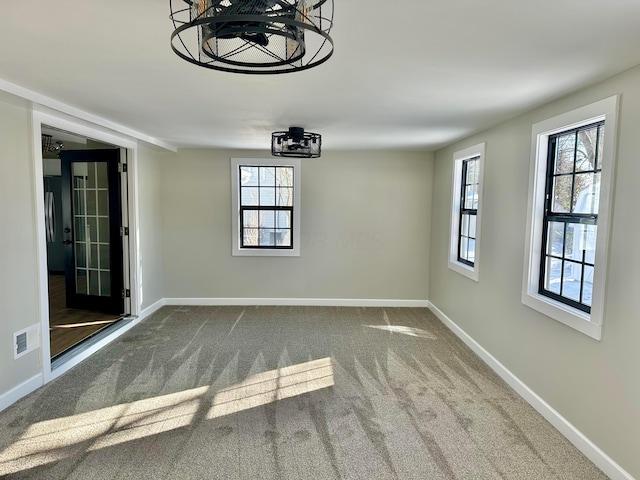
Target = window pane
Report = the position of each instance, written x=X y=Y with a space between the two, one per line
x=80 y=231
x=472 y=226
x=249 y=176
x=267 y=219
x=249 y=196
x=565 y=148
x=105 y=284
x=267 y=176
x=586 y=152
x=463 y=247
x=464 y=225
x=91 y=174
x=587 y=286
x=78 y=180
x=283 y=219
x=471 y=197
x=103 y=202
x=285 y=197
x=555 y=238
x=267 y=238
x=472 y=172
x=584 y=243
x=587 y=193
x=572 y=236
x=103 y=179
x=284 y=176
x=590 y=243
x=92 y=229
x=600 y=146
x=78 y=202
x=471 y=252
x=250 y=218
x=283 y=238
x=577 y=242
x=93 y=283
x=562 y=193
x=81 y=281
x=92 y=202
x=572 y=280
x=267 y=196
x=104 y=257
x=250 y=237
x=81 y=255
x=93 y=255
x=103 y=236
x=552 y=275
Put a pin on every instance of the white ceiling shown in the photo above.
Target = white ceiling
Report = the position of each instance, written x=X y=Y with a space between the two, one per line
x=411 y=74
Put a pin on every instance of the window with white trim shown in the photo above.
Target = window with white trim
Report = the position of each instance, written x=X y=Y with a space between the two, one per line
x=571 y=186
x=266 y=207
x=465 y=213
x=570 y=225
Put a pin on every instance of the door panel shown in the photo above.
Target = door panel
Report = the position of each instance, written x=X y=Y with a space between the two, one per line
x=92 y=217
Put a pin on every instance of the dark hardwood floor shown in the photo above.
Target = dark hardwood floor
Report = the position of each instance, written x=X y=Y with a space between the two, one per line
x=69 y=326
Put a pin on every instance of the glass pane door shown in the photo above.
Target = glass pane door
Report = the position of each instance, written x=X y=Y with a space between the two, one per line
x=92 y=218
x=90 y=184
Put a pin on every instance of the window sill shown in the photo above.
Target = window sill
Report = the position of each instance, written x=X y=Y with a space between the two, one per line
x=266 y=252
x=464 y=269
x=576 y=319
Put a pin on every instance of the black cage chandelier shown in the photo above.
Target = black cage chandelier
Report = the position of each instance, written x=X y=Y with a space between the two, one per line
x=296 y=143
x=253 y=36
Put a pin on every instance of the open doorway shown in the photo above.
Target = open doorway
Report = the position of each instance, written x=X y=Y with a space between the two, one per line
x=85 y=205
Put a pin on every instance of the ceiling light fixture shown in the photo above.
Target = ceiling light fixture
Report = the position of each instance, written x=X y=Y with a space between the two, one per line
x=57 y=147
x=253 y=36
x=48 y=146
x=295 y=143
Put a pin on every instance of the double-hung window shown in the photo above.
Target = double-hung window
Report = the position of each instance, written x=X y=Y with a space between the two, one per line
x=570 y=225
x=266 y=203
x=468 y=211
x=571 y=185
x=465 y=214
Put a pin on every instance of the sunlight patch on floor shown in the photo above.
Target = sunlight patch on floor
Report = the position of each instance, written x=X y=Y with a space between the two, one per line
x=274 y=385
x=411 y=331
x=53 y=440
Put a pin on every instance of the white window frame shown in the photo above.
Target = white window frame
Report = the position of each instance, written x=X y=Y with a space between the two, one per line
x=237 y=250
x=588 y=323
x=472 y=272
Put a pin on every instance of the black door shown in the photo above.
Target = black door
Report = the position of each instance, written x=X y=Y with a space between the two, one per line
x=92 y=217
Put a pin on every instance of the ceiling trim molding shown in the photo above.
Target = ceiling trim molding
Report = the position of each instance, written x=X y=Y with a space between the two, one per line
x=45 y=101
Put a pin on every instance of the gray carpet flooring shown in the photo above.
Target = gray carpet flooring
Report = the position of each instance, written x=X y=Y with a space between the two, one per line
x=283 y=393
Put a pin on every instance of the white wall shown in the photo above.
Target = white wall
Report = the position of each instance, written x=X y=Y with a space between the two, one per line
x=593 y=384
x=18 y=269
x=150 y=223
x=365 y=229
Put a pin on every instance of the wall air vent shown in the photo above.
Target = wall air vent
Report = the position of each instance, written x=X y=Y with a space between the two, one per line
x=25 y=341
x=21 y=343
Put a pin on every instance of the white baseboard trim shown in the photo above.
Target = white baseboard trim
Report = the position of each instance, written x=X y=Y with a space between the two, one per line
x=16 y=393
x=151 y=309
x=310 y=302
x=575 y=436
